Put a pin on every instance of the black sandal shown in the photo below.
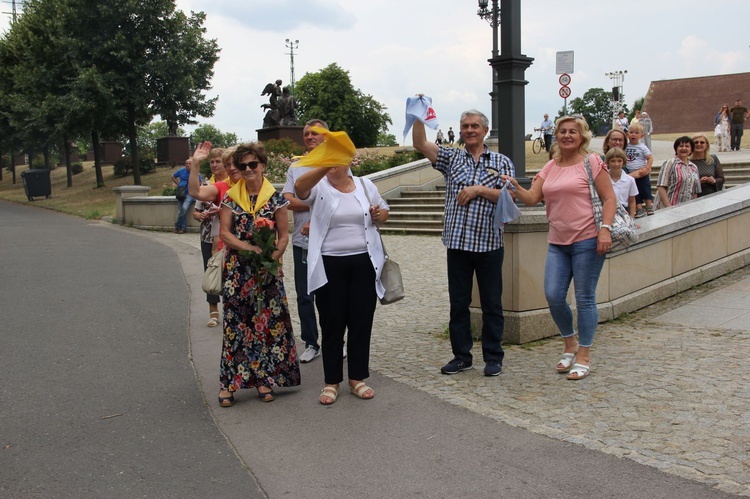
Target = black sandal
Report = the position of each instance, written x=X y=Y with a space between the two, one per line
x=267 y=396
x=226 y=401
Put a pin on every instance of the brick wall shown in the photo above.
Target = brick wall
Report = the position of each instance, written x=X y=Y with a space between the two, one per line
x=690 y=104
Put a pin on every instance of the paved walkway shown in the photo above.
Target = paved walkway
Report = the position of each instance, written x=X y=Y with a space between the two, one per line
x=668 y=388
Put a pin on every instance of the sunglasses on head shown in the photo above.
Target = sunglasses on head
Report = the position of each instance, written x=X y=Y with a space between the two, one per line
x=250 y=164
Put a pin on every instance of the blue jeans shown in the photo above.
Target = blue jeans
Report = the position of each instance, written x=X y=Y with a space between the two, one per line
x=182 y=209
x=305 y=303
x=489 y=270
x=580 y=263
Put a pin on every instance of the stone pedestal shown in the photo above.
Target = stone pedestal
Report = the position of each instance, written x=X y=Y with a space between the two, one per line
x=172 y=151
x=280 y=132
x=19 y=159
x=124 y=192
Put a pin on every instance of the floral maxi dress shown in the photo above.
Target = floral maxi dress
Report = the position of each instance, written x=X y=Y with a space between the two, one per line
x=258 y=347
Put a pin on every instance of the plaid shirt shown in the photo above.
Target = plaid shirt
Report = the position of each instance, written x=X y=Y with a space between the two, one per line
x=469 y=227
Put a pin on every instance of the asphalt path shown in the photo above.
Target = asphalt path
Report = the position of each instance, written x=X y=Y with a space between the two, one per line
x=106 y=367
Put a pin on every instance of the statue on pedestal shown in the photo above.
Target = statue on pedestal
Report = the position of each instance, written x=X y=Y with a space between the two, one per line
x=281 y=109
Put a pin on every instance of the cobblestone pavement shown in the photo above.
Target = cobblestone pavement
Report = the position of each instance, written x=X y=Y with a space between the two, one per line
x=676 y=397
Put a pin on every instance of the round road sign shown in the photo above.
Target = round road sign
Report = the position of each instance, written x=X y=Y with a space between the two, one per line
x=565 y=79
x=565 y=92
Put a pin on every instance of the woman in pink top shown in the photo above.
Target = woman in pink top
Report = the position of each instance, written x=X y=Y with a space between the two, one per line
x=576 y=248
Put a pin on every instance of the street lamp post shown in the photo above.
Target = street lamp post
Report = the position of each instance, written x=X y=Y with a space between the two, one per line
x=508 y=82
x=291 y=45
x=618 y=78
x=492 y=16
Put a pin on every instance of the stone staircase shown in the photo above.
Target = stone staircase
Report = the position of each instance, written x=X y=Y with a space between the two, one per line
x=421 y=211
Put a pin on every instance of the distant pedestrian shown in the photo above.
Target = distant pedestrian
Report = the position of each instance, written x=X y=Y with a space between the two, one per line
x=184 y=199
x=636 y=117
x=648 y=128
x=739 y=115
x=622 y=122
x=440 y=138
x=722 y=130
x=451 y=136
x=548 y=129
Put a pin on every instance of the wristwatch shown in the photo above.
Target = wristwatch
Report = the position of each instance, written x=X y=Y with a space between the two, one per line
x=606 y=226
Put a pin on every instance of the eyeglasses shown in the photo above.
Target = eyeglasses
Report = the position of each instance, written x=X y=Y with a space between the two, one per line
x=250 y=164
x=696 y=142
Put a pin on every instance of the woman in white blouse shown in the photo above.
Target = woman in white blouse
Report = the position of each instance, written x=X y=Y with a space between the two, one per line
x=344 y=261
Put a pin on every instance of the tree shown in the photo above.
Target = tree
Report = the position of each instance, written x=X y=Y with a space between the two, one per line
x=207 y=132
x=637 y=104
x=329 y=95
x=596 y=106
x=386 y=140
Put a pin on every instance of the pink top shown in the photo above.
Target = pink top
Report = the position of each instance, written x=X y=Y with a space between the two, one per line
x=568 y=201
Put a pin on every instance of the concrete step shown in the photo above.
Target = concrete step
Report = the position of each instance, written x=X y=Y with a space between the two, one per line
x=404 y=202
x=415 y=215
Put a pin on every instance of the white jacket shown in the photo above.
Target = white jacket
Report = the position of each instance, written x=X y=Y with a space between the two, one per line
x=323 y=201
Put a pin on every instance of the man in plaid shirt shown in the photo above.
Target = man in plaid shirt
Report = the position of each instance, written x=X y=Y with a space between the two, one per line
x=472 y=177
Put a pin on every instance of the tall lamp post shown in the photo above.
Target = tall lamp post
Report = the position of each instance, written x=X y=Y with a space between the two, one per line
x=618 y=78
x=291 y=45
x=508 y=81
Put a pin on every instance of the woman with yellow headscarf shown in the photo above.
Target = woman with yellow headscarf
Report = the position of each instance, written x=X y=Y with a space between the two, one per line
x=258 y=349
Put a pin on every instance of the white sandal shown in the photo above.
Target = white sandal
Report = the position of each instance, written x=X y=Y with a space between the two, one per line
x=579 y=371
x=566 y=361
x=213 y=321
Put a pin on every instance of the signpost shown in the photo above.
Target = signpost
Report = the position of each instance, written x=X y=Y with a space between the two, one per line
x=565 y=90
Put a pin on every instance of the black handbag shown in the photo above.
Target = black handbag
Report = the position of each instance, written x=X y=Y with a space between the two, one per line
x=180 y=193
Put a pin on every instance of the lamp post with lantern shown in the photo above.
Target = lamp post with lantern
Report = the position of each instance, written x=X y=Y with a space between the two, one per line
x=508 y=81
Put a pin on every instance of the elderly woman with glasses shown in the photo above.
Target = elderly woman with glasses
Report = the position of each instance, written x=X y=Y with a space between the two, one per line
x=258 y=349
x=614 y=138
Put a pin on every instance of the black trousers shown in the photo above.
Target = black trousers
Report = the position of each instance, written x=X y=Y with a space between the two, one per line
x=346 y=301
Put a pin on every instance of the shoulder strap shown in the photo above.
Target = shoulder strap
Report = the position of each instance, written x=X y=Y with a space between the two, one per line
x=369 y=202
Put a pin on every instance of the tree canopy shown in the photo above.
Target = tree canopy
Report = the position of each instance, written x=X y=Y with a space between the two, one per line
x=596 y=106
x=85 y=67
x=329 y=95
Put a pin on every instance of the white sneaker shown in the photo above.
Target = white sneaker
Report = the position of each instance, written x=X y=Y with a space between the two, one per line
x=309 y=354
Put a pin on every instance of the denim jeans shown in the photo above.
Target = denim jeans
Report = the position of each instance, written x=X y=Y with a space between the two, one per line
x=182 y=210
x=488 y=266
x=305 y=303
x=580 y=263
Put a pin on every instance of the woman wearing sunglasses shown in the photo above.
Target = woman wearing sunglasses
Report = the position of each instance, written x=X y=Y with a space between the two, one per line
x=258 y=349
x=709 y=167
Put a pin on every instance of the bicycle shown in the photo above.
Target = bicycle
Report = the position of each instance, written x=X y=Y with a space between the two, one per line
x=538 y=144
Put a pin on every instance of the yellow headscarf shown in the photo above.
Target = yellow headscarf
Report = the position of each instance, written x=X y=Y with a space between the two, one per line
x=239 y=194
x=337 y=150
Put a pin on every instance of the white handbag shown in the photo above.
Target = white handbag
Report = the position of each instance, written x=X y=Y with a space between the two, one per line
x=212 y=282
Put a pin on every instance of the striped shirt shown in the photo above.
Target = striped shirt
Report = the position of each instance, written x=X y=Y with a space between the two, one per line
x=470 y=227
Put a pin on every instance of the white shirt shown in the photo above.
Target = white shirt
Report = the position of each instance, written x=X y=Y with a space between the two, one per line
x=323 y=200
x=624 y=188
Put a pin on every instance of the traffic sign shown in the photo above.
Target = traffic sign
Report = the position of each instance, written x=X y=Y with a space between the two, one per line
x=565 y=92
x=565 y=79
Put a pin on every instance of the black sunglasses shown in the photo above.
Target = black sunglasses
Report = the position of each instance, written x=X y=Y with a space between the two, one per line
x=243 y=166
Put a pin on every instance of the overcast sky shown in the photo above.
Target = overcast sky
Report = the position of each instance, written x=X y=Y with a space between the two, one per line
x=396 y=48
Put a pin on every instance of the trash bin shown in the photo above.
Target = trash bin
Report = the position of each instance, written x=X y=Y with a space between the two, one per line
x=36 y=183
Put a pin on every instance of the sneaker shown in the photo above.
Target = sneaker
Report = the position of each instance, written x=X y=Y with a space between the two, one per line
x=309 y=354
x=650 y=210
x=492 y=369
x=640 y=213
x=455 y=366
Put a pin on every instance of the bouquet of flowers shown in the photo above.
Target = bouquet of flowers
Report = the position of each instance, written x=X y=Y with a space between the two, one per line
x=264 y=235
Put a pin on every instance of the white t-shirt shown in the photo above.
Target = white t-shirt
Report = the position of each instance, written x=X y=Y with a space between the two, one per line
x=637 y=155
x=624 y=188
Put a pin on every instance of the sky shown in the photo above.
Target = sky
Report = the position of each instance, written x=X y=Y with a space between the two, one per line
x=393 y=49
